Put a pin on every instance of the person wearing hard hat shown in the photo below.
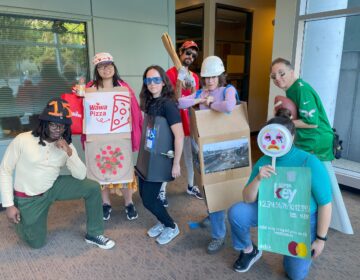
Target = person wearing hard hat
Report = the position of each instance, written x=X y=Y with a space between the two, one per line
x=106 y=76
x=185 y=82
x=37 y=158
x=218 y=97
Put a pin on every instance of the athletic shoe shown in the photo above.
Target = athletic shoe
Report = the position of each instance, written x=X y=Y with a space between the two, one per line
x=245 y=261
x=131 y=212
x=215 y=245
x=156 y=230
x=100 y=241
x=106 y=211
x=162 y=197
x=167 y=235
x=194 y=190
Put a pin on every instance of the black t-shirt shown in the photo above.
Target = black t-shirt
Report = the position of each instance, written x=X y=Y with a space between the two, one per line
x=166 y=108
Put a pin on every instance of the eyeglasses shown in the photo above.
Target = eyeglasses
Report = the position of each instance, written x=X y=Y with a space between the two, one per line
x=193 y=54
x=105 y=66
x=155 y=80
x=56 y=126
x=280 y=73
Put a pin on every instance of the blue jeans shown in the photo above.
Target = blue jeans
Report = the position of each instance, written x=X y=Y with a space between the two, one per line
x=218 y=227
x=242 y=216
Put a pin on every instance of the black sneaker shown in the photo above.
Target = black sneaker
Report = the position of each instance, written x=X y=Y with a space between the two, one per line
x=194 y=190
x=131 y=213
x=162 y=198
x=100 y=241
x=106 y=211
x=245 y=261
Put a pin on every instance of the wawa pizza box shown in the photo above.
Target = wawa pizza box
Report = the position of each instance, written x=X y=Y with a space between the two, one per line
x=221 y=151
x=109 y=158
x=107 y=112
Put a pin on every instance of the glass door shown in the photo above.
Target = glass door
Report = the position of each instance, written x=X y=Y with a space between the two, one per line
x=233 y=29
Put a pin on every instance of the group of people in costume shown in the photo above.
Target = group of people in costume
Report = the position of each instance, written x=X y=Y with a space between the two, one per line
x=37 y=156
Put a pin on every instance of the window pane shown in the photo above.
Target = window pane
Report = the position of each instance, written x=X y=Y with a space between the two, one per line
x=40 y=59
x=316 y=6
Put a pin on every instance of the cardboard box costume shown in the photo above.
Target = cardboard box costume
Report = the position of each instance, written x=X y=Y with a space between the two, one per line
x=107 y=124
x=221 y=154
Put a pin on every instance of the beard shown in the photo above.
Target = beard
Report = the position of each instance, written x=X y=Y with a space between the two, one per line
x=187 y=62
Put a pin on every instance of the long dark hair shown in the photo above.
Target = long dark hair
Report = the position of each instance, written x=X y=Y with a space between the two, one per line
x=167 y=91
x=42 y=131
x=98 y=81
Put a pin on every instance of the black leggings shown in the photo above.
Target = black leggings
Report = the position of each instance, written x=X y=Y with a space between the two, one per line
x=149 y=192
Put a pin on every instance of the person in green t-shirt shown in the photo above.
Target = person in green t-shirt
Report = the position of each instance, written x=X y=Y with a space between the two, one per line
x=313 y=131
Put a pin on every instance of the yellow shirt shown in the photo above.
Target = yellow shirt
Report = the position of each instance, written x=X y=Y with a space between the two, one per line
x=36 y=167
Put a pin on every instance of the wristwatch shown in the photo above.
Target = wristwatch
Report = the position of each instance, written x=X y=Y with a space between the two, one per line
x=321 y=238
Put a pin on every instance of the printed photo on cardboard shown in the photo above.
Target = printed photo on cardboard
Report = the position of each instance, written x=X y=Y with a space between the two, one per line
x=226 y=155
x=195 y=155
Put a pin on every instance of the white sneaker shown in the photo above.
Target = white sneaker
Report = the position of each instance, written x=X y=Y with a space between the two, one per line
x=156 y=230
x=167 y=235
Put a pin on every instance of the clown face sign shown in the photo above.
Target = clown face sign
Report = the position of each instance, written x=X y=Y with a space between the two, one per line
x=274 y=140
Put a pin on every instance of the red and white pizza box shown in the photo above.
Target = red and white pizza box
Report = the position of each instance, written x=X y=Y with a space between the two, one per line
x=107 y=112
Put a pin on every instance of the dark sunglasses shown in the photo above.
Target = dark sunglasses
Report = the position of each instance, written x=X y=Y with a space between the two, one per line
x=155 y=80
x=193 y=54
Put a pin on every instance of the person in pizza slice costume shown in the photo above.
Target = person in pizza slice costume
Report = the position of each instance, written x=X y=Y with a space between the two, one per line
x=37 y=157
x=106 y=76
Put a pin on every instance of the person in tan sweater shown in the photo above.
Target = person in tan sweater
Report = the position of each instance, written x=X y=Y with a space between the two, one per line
x=37 y=157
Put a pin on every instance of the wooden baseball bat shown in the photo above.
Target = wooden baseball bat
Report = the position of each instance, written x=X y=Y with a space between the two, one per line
x=166 y=39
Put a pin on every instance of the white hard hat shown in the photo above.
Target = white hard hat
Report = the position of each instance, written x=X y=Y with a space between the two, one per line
x=212 y=66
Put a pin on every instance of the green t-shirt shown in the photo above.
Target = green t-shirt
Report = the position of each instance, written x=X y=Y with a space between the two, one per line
x=320 y=181
x=318 y=141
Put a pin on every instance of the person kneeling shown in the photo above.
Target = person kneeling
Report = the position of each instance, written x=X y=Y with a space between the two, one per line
x=37 y=158
x=244 y=215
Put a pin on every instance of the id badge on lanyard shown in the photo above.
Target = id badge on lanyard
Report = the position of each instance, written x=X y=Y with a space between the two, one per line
x=150 y=138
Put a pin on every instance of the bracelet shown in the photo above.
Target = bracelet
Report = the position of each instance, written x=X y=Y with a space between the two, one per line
x=321 y=238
